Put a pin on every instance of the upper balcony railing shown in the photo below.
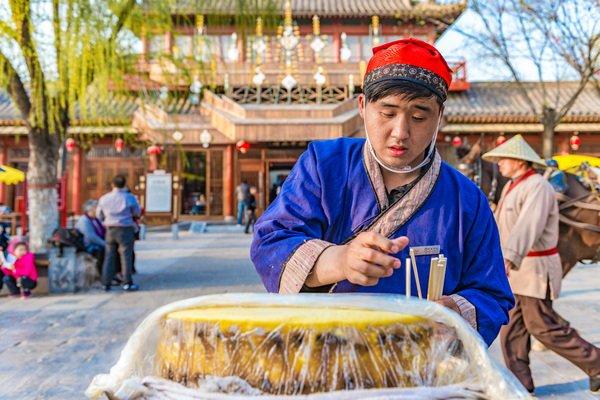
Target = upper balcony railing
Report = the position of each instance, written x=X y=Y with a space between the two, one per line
x=236 y=75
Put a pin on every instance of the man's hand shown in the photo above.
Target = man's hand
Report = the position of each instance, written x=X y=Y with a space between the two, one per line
x=448 y=302
x=508 y=265
x=366 y=259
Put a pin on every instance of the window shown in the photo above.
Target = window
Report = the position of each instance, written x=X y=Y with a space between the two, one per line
x=307 y=54
x=157 y=45
x=366 y=47
x=328 y=52
x=193 y=196
x=360 y=47
x=218 y=45
x=252 y=55
x=353 y=43
x=184 y=45
x=387 y=39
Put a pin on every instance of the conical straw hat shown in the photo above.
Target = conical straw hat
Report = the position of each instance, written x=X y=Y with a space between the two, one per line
x=515 y=147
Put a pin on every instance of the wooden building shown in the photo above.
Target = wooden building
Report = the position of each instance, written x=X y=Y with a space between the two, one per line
x=261 y=97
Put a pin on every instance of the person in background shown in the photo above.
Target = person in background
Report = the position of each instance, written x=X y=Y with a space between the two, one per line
x=138 y=221
x=4 y=210
x=93 y=233
x=528 y=217
x=4 y=241
x=199 y=207
x=118 y=210
x=273 y=192
x=20 y=274
x=243 y=193
x=251 y=207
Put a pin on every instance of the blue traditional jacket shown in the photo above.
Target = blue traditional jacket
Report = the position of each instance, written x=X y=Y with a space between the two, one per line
x=336 y=191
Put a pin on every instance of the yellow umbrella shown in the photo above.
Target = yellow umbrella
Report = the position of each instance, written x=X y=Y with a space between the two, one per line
x=11 y=176
x=573 y=161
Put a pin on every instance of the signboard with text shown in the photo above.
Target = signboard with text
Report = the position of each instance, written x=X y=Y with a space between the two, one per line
x=158 y=192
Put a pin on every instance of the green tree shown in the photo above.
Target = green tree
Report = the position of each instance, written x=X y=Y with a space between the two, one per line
x=59 y=59
x=56 y=58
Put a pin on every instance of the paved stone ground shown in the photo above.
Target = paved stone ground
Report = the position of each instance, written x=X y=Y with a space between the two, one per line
x=554 y=377
x=51 y=347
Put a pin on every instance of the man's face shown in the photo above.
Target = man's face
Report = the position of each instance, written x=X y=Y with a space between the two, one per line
x=400 y=130
x=510 y=167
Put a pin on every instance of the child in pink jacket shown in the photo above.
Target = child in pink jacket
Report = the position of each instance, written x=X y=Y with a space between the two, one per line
x=20 y=275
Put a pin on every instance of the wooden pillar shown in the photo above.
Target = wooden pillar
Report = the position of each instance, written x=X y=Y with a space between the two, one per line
x=337 y=42
x=145 y=48
x=228 y=182
x=76 y=180
x=169 y=42
x=3 y=160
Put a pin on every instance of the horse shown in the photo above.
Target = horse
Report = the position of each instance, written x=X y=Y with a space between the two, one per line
x=579 y=228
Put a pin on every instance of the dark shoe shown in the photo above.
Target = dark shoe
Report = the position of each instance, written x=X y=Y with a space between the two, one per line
x=131 y=287
x=595 y=383
x=116 y=282
x=118 y=278
x=106 y=288
x=25 y=293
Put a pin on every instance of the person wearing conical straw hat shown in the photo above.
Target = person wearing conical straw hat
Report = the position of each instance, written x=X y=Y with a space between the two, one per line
x=353 y=208
x=528 y=217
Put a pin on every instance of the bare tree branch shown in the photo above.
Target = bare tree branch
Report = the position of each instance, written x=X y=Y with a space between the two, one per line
x=499 y=47
x=536 y=57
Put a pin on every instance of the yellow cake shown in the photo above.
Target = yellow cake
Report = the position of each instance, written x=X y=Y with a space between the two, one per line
x=291 y=350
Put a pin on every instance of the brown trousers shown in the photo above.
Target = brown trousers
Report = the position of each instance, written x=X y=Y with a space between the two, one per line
x=532 y=316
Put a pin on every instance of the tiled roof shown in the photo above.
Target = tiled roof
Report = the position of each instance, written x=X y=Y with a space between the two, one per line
x=8 y=111
x=484 y=102
x=326 y=8
x=117 y=110
x=504 y=102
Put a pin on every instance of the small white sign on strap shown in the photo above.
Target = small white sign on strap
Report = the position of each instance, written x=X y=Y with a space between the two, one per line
x=426 y=250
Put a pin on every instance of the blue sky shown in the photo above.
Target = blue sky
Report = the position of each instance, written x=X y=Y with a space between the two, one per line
x=453 y=44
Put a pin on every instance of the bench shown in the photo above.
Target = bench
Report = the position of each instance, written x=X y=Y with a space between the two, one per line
x=41 y=264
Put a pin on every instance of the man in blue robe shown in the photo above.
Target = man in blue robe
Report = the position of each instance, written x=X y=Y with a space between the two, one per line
x=352 y=208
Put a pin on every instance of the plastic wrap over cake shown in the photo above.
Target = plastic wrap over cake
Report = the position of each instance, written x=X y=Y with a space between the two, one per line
x=241 y=346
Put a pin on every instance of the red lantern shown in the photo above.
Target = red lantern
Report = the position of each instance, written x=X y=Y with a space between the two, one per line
x=242 y=146
x=575 y=142
x=456 y=141
x=154 y=150
x=119 y=144
x=70 y=144
x=501 y=139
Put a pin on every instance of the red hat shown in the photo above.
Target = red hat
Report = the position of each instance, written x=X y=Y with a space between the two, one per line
x=410 y=60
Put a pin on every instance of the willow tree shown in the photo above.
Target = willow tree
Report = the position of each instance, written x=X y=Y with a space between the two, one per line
x=56 y=58
x=60 y=58
x=559 y=39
